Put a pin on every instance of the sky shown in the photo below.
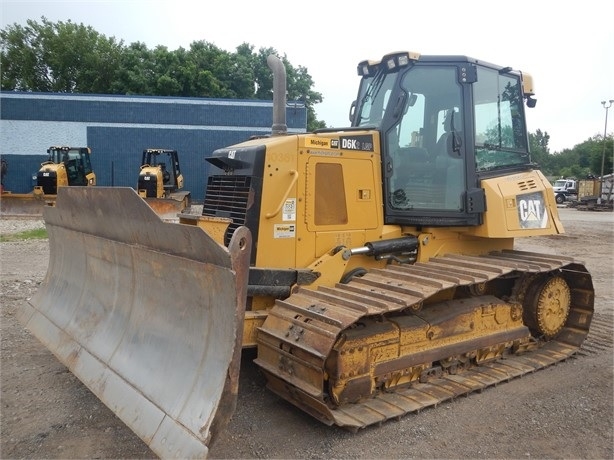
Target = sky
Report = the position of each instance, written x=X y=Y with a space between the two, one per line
x=567 y=47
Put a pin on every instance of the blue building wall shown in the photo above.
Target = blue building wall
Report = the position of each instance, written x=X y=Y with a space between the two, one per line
x=117 y=158
x=118 y=128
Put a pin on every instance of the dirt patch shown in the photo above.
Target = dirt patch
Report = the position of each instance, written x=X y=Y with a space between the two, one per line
x=564 y=411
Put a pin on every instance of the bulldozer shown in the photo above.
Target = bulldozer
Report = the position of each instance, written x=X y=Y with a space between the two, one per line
x=65 y=166
x=372 y=267
x=160 y=182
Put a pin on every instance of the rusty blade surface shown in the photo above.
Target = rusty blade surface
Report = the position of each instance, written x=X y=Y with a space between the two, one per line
x=147 y=314
x=24 y=204
x=167 y=208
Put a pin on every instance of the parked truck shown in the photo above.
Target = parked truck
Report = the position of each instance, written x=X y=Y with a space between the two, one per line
x=585 y=193
x=594 y=194
x=565 y=189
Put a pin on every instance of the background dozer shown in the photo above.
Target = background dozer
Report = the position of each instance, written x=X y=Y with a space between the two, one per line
x=372 y=267
x=65 y=166
x=160 y=182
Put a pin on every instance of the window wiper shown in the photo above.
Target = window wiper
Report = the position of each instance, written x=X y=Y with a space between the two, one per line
x=373 y=89
x=456 y=141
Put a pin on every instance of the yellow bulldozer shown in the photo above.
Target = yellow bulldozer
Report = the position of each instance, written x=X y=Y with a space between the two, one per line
x=371 y=266
x=160 y=182
x=64 y=167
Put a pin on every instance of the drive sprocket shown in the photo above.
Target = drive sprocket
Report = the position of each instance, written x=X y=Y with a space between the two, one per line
x=547 y=305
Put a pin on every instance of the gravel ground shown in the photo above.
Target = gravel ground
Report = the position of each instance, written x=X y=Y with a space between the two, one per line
x=562 y=412
x=9 y=226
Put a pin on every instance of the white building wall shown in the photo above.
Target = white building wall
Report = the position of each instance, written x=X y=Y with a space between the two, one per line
x=16 y=136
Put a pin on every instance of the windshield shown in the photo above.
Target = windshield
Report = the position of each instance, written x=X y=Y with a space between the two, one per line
x=73 y=158
x=500 y=138
x=373 y=97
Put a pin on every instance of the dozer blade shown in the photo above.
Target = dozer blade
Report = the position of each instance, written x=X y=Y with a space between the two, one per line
x=24 y=204
x=167 y=208
x=147 y=314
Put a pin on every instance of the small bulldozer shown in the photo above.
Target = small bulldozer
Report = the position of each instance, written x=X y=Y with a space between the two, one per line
x=64 y=167
x=161 y=182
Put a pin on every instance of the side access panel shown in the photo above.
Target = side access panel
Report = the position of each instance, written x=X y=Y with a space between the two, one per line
x=147 y=314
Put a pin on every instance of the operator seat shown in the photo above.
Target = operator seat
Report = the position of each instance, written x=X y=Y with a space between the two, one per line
x=166 y=176
x=72 y=171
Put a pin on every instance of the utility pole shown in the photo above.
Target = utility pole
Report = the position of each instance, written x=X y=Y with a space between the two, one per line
x=605 y=133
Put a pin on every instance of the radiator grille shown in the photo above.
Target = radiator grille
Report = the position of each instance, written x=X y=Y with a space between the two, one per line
x=228 y=196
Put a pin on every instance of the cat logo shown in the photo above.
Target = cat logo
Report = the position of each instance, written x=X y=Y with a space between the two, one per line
x=532 y=211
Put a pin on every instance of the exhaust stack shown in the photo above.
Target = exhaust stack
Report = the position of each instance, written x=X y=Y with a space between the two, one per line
x=279 y=95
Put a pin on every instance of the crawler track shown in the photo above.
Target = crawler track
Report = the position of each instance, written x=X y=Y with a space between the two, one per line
x=301 y=331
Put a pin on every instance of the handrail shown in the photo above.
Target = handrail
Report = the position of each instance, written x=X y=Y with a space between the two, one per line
x=293 y=173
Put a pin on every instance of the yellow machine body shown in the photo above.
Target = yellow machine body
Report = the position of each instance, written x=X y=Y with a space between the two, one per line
x=65 y=166
x=161 y=182
x=372 y=267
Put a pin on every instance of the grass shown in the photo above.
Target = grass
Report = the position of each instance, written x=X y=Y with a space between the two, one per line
x=36 y=234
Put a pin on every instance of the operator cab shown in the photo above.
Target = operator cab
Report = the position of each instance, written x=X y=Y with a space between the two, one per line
x=445 y=122
x=168 y=162
x=75 y=159
x=65 y=166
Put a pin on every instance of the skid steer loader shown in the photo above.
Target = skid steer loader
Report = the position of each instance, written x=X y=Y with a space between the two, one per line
x=372 y=266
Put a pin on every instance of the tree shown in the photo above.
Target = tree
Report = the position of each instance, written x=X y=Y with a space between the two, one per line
x=135 y=71
x=540 y=152
x=62 y=57
x=218 y=73
x=66 y=57
x=582 y=160
x=299 y=84
x=603 y=151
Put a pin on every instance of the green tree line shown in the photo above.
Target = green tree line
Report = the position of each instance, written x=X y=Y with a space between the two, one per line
x=73 y=58
x=582 y=161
